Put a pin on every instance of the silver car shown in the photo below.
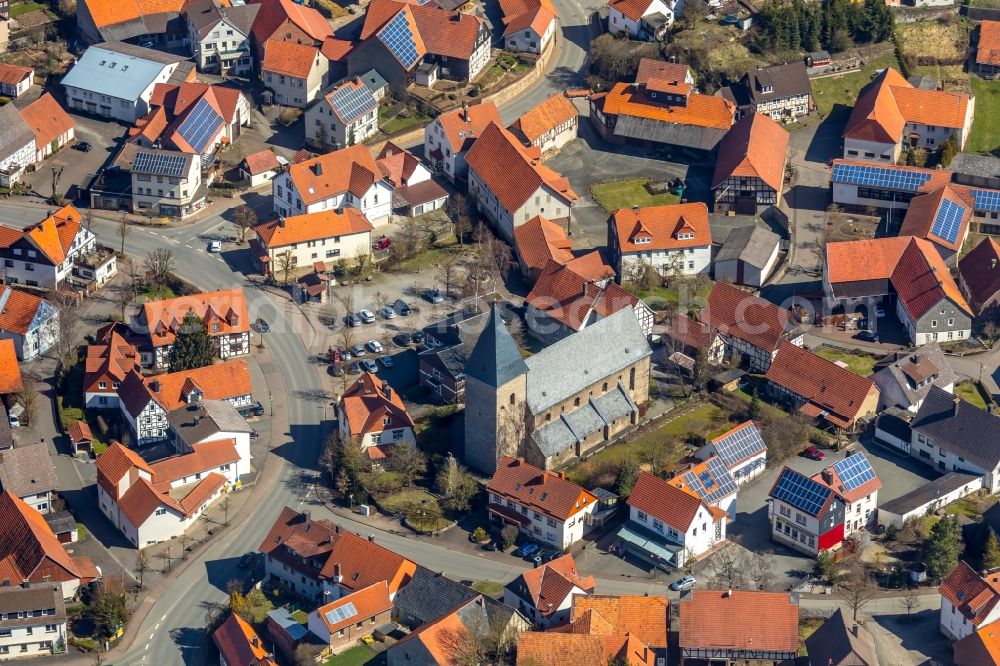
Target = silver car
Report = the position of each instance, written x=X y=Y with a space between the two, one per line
x=367 y=316
x=387 y=312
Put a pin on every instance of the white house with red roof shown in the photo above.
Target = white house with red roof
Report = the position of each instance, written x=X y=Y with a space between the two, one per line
x=529 y=25
x=641 y=19
x=345 y=621
x=197 y=117
x=752 y=328
x=325 y=236
x=545 y=594
x=855 y=482
x=969 y=601
x=450 y=136
x=32 y=323
x=108 y=362
x=372 y=413
x=942 y=216
x=43 y=254
x=667 y=525
x=672 y=240
x=542 y=504
x=413 y=188
x=345 y=115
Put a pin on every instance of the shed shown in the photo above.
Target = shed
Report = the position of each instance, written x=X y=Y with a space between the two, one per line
x=748 y=256
x=80 y=437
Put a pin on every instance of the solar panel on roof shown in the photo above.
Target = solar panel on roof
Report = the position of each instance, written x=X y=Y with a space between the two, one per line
x=341 y=613
x=351 y=102
x=712 y=485
x=801 y=492
x=987 y=200
x=876 y=176
x=740 y=445
x=854 y=471
x=706 y=480
x=398 y=38
x=948 y=220
x=201 y=126
x=160 y=164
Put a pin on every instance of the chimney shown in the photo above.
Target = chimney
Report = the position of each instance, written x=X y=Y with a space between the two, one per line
x=281 y=222
x=336 y=529
x=155 y=385
x=318 y=169
x=388 y=391
x=955 y=401
x=371 y=537
x=993 y=263
x=465 y=110
x=307 y=515
x=827 y=476
x=256 y=641
x=854 y=630
x=729 y=593
x=336 y=573
x=562 y=475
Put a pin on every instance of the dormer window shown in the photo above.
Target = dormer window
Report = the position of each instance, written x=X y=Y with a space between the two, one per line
x=642 y=240
x=685 y=235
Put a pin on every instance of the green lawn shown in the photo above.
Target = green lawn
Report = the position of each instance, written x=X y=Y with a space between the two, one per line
x=356 y=656
x=399 y=123
x=859 y=364
x=833 y=90
x=25 y=7
x=627 y=193
x=679 y=294
x=985 y=137
x=426 y=259
x=490 y=588
x=968 y=392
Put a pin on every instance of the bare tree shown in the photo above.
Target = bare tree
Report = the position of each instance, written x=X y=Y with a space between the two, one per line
x=122 y=295
x=285 y=264
x=857 y=587
x=183 y=539
x=910 y=600
x=225 y=509
x=448 y=272
x=27 y=398
x=124 y=229
x=159 y=265
x=135 y=277
x=761 y=571
x=347 y=339
x=56 y=176
x=362 y=259
x=141 y=565
x=69 y=319
x=381 y=300
x=244 y=217
x=512 y=429
x=729 y=567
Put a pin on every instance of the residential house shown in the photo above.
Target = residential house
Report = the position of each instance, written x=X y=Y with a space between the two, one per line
x=44 y=254
x=10 y=371
x=145 y=401
x=905 y=378
x=372 y=414
x=855 y=482
x=645 y=618
x=116 y=80
x=890 y=113
x=161 y=23
x=587 y=641
x=294 y=72
x=260 y=167
x=33 y=620
x=108 y=362
x=566 y=299
x=686 y=339
x=979 y=279
x=52 y=126
x=821 y=389
x=569 y=409
x=179 y=190
x=752 y=328
x=224 y=313
x=953 y=435
x=346 y=177
x=548 y=126
x=345 y=621
x=662 y=76
x=343 y=116
x=538 y=241
x=510 y=186
x=433 y=644
x=748 y=256
x=969 y=601
x=285 y=20
x=837 y=643
x=32 y=553
x=430 y=595
x=28 y=473
x=17 y=145
x=941 y=216
x=738 y=625
x=987 y=60
x=545 y=594
x=818 y=513
x=239 y=644
x=397 y=38
x=529 y=25
x=780 y=92
x=320 y=561
x=750 y=170
x=448 y=138
x=641 y=19
x=978 y=648
x=208 y=421
x=662 y=112
x=15 y=80
x=543 y=505
x=302 y=240
x=858 y=186
x=671 y=240
x=904 y=274
x=414 y=192
x=32 y=323
x=194 y=117
x=742 y=450
x=219 y=36
x=668 y=526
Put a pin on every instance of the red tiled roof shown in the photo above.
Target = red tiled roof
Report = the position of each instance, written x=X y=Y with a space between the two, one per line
x=662 y=225
x=312 y=226
x=829 y=478
x=350 y=169
x=659 y=499
x=10 y=371
x=544 y=117
x=397 y=164
x=275 y=14
x=631 y=9
x=654 y=71
x=441 y=32
x=53 y=236
x=535 y=15
x=980 y=272
x=114 y=464
x=79 y=432
x=221 y=381
x=336 y=50
x=202 y=458
x=979 y=648
x=261 y=162
x=923 y=209
x=974 y=596
x=462 y=127
x=239 y=644
x=227 y=308
x=690 y=333
x=547 y=586
x=821 y=382
x=538 y=240
x=625 y=99
x=368 y=602
x=922 y=279
x=547 y=493
x=47 y=119
x=506 y=168
x=555 y=648
x=28 y=548
x=110 y=362
x=646 y=618
x=368 y=402
x=591 y=267
x=289 y=58
x=734 y=312
x=988 y=50
x=575 y=301
x=755 y=147
x=19 y=310
x=14 y=74
x=739 y=620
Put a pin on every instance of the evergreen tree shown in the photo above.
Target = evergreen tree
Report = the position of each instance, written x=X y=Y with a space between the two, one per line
x=192 y=348
x=948 y=151
x=943 y=547
x=991 y=553
x=628 y=472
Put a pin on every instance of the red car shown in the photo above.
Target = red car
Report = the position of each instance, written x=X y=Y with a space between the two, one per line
x=334 y=355
x=381 y=243
x=813 y=453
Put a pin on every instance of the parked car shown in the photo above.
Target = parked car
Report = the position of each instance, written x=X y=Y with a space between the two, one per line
x=403 y=339
x=355 y=368
x=813 y=453
x=83 y=146
x=867 y=336
x=387 y=312
x=334 y=355
x=386 y=360
x=401 y=308
x=353 y=320
x=374 y=346
x=358 y=350
x=537 y=558
x=879 y=311
x=685 y=583
x=346 y=356
x=367 y=316
x=525 y=550
x=370 y=365
x=418 y=337
x=215 y=246
x=553 y=554
x=381 y=243
x=434 y=296
x=247 y=560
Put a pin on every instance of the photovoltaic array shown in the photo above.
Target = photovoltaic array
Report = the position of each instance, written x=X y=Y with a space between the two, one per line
x=201 y=126
x=876 y=176
x=801 y=492
x=341 y=613
x=854 y=471
x=713 y=484
x=740 y=445
x=948 y=220
x=159 y=164
x=987 y=200
x=397 y=35
x=351 y=102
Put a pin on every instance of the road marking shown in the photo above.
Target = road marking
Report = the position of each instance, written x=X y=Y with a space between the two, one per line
x=147 y=646
x=152 y=634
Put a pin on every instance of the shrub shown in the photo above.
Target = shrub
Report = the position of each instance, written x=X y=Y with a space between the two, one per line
x=479 y=534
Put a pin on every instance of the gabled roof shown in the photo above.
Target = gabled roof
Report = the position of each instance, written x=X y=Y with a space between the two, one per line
x=227 y=308
x=355 y=607
x=431 y=594
x=14 y=74
x=513 y=175
x=627 y=99
x=434 y=642
x=548 y=493
x=28 y=470
x=47 y=119
x=928 y=209
x=202 y=458
x=646 y=618
x=114 y=359
x=547 y=586
x=662 y=225
x=262 y=161
x=739 y=444
x=988 y=49
x=206 y=14
x=463 y=126
x=239 y=644
x=220 y=381
x=109 y=12
x=922 y=280
x=27 y=544
x=437 y=31
x=10 y=370
x=312 y=226
x=959 y=427
x=574 y=300
x=631 y=9
x=750 y=318
x=786 y=80
x=397 y=164
x=115 y=463
x=495 y=359
x=907 y=369
x=53 y=237
x=660 y=74
x=755 y=147
x=661 y=500
x=534 y=15
x=106 y=70
x=350 y=100
x=753 y=245
x=289 y=58
x=981 y=647
x=807 y=495
x=834 y=390
x=980 y=272
x=351 y=169
x=18 y=309
x=693 y=335
x=738 y=619
x=274 y=14
x=539 y=241
x=544 y=117
x=368 y=402
x=973 y=595
x=852 y=478
x=580 y=643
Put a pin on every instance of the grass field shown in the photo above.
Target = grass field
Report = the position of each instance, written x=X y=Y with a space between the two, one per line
x=944 y=41
x=356 y=656
x=25 y=7
x=627 y=193
x=399 y=123
x=988 y=4
x=967 y=391
x=859 y=364
x=490 y=588
x=985 y=136
x=833 y=90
